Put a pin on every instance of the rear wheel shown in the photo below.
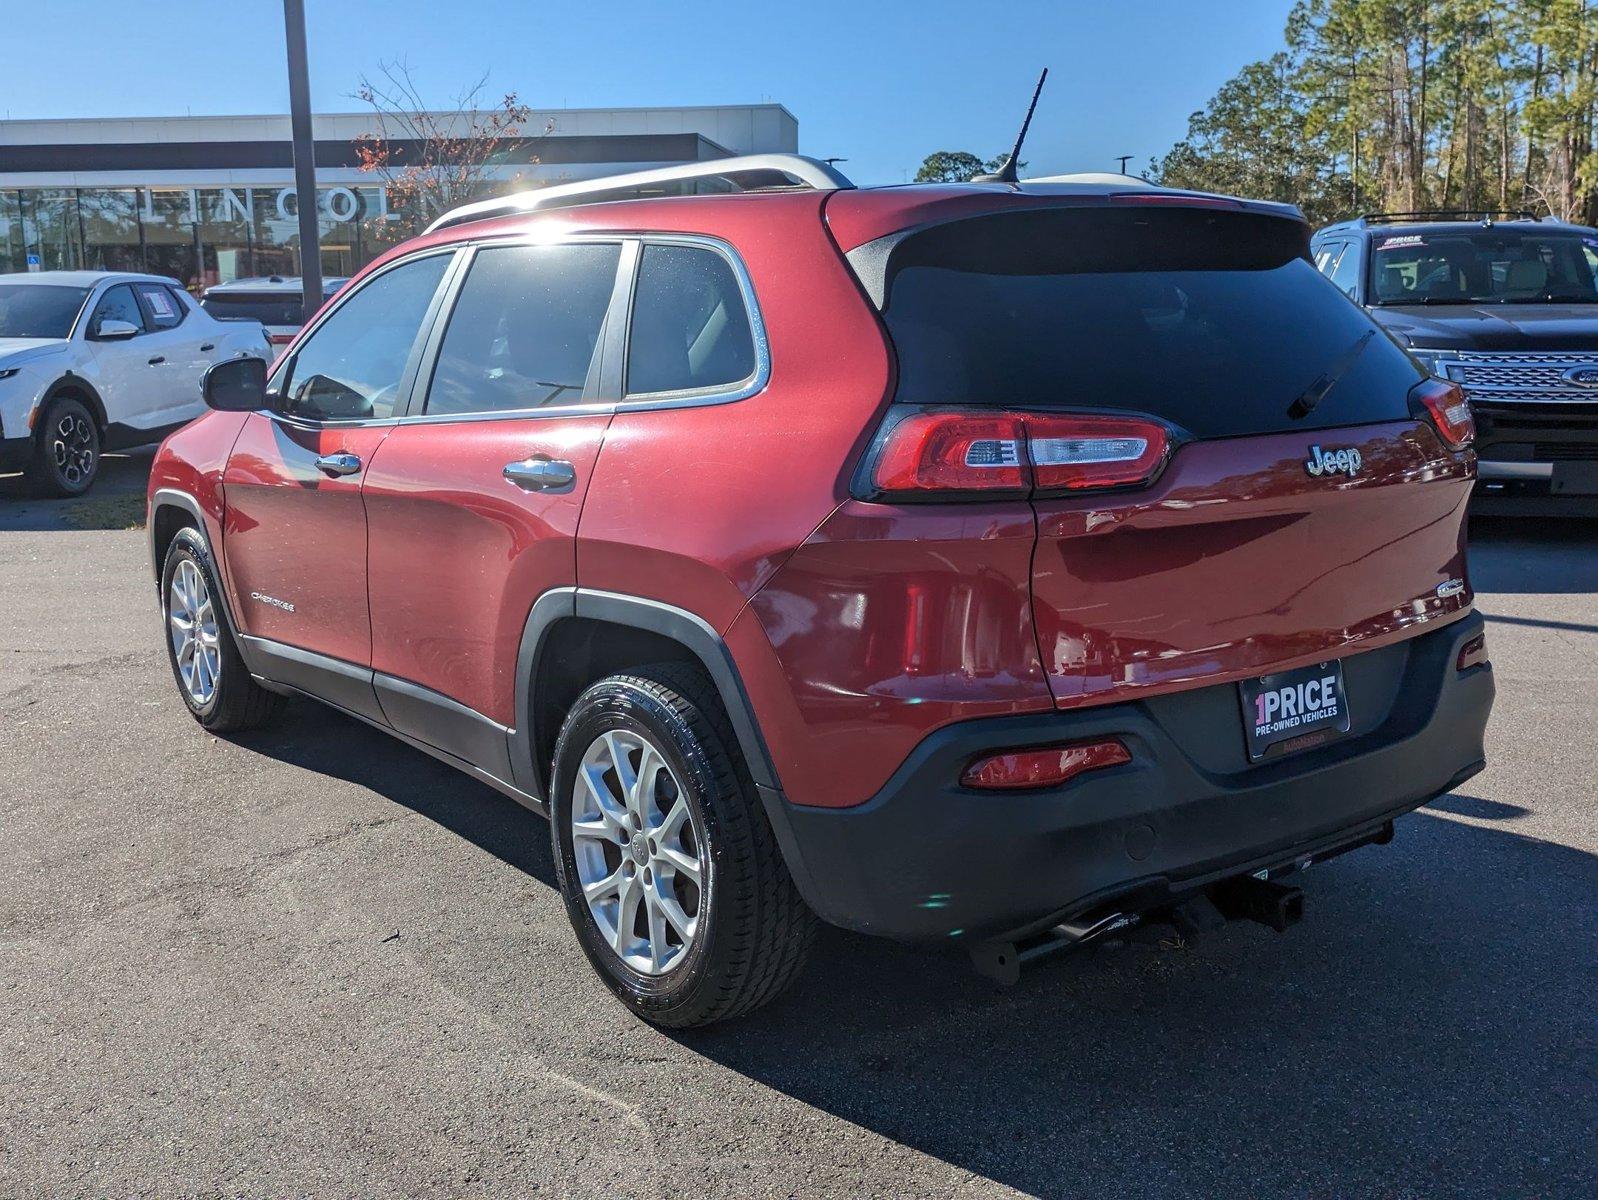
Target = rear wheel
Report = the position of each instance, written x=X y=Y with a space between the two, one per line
x=211 y=675
x=66 y=451
x=671 y=874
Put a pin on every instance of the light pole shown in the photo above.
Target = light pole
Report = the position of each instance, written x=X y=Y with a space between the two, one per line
x=1124 y=159
x=304 y=155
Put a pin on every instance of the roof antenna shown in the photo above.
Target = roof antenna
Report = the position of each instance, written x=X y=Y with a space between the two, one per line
x=1007 y=170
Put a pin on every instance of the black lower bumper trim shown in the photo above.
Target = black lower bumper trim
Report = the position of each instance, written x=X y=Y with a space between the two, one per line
x=927 y=859
x=15 y=453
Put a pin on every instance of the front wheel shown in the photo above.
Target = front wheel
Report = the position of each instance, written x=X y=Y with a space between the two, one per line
x=66 y=452
x=670 y=872
x=211 y=675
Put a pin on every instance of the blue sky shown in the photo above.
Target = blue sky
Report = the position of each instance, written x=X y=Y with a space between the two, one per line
x=881 y=83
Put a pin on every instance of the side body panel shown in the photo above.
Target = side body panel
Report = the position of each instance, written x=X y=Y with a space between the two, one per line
x=697 y=506
x=888 y=623
x=459 y=554
x=191 y=461
x=297 y=537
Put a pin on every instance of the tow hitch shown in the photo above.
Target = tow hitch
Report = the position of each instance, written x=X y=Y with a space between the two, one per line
x=1248 y=898
x=1257 y=896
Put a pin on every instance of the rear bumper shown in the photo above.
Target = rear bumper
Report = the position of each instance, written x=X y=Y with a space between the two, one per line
x=1535 y=460
x=928 y=859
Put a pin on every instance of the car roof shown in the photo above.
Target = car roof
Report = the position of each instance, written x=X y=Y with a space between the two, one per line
x=859 y=215
x=1363 y=225
x=273 y=284
x=87 y=278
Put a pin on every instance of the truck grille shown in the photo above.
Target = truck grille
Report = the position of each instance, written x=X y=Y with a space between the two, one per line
x=1518 y=378
x=1564 y=452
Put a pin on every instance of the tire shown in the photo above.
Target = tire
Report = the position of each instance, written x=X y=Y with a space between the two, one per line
x=231 y=701
x=66 y=450
x=751 y=930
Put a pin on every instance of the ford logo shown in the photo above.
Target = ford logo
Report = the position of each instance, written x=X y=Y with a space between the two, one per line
x=1586 y=377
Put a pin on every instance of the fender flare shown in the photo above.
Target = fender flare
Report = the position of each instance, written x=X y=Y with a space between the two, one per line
x=77 y=383
x=683 y=627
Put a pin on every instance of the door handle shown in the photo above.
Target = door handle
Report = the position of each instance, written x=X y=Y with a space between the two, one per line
x=207 y=346
x=158 y=360
x=541 y=474
x=338 y=464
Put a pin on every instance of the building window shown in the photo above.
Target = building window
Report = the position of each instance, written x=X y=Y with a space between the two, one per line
x=198 y=236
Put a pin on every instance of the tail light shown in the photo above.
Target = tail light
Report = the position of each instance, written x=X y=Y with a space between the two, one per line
x=1449 y=411
x=949 y=453
x=280 y=339
x=1047 y=766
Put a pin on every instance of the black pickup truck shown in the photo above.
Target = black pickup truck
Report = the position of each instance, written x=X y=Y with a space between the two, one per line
x=1507 y=306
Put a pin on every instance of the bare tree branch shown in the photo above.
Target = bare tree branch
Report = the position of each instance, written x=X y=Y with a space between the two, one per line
x=431 y=158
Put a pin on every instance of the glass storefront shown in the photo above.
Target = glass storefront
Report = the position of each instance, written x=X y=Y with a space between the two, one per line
x=198 y=236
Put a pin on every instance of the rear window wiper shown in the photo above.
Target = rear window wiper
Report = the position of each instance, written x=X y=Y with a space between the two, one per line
x=1316 y=392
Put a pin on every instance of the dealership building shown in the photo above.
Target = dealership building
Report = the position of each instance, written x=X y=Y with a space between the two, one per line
x=207 y=199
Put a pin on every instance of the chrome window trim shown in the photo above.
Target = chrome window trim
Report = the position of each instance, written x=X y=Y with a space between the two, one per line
x=727 y=393
x=641 y=402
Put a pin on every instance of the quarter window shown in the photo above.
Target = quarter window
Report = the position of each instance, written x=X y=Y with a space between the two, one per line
x=118 y=304
x=1345 y=274
x=162 y=310
x=351 y=366
x=690 y=330
x=525 y=329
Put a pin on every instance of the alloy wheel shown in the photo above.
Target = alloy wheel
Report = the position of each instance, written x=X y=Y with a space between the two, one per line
x=639 y=856
x=72 y=449
x=196 y=641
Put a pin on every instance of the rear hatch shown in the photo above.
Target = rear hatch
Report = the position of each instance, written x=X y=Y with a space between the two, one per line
x=279 y=312
x=1269 y=494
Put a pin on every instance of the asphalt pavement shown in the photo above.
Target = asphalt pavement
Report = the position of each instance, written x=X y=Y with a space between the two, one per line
x=312 y=961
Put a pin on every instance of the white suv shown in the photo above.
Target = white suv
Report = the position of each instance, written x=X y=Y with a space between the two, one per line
x=97 y=360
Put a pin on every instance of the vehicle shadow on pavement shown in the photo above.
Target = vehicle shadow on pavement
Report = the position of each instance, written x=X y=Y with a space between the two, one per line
x=1525 y=554
x=340 y=747
x=1386 y=1046
x=1383 y=1047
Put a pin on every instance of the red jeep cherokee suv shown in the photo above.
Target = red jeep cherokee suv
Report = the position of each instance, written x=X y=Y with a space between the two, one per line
x=994 y=563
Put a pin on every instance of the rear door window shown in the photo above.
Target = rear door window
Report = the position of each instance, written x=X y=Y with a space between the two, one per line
x=1345 y=272
x=162 y=310
x=1215 y=321
x=525 y=330
x=690 y=328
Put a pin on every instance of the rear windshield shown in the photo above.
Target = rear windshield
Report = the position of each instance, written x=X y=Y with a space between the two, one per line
x=1214 y=320
x=1497 y=265
x=268 y=310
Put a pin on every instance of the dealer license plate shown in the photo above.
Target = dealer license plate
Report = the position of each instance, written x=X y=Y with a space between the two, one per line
x=1307 y=707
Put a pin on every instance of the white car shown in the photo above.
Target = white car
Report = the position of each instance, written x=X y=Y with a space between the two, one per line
x=99 y=360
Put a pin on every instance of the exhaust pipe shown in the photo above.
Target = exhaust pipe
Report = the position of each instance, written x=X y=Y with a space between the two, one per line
x=1273 y=904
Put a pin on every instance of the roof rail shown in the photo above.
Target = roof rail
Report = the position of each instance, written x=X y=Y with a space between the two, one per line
x=746 y=173
x=1450 y=214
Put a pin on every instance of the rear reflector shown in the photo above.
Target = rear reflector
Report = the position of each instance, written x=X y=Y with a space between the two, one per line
x=1043 y=767
x=945 y=453
x=1473 y=653
x=1449 y=411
